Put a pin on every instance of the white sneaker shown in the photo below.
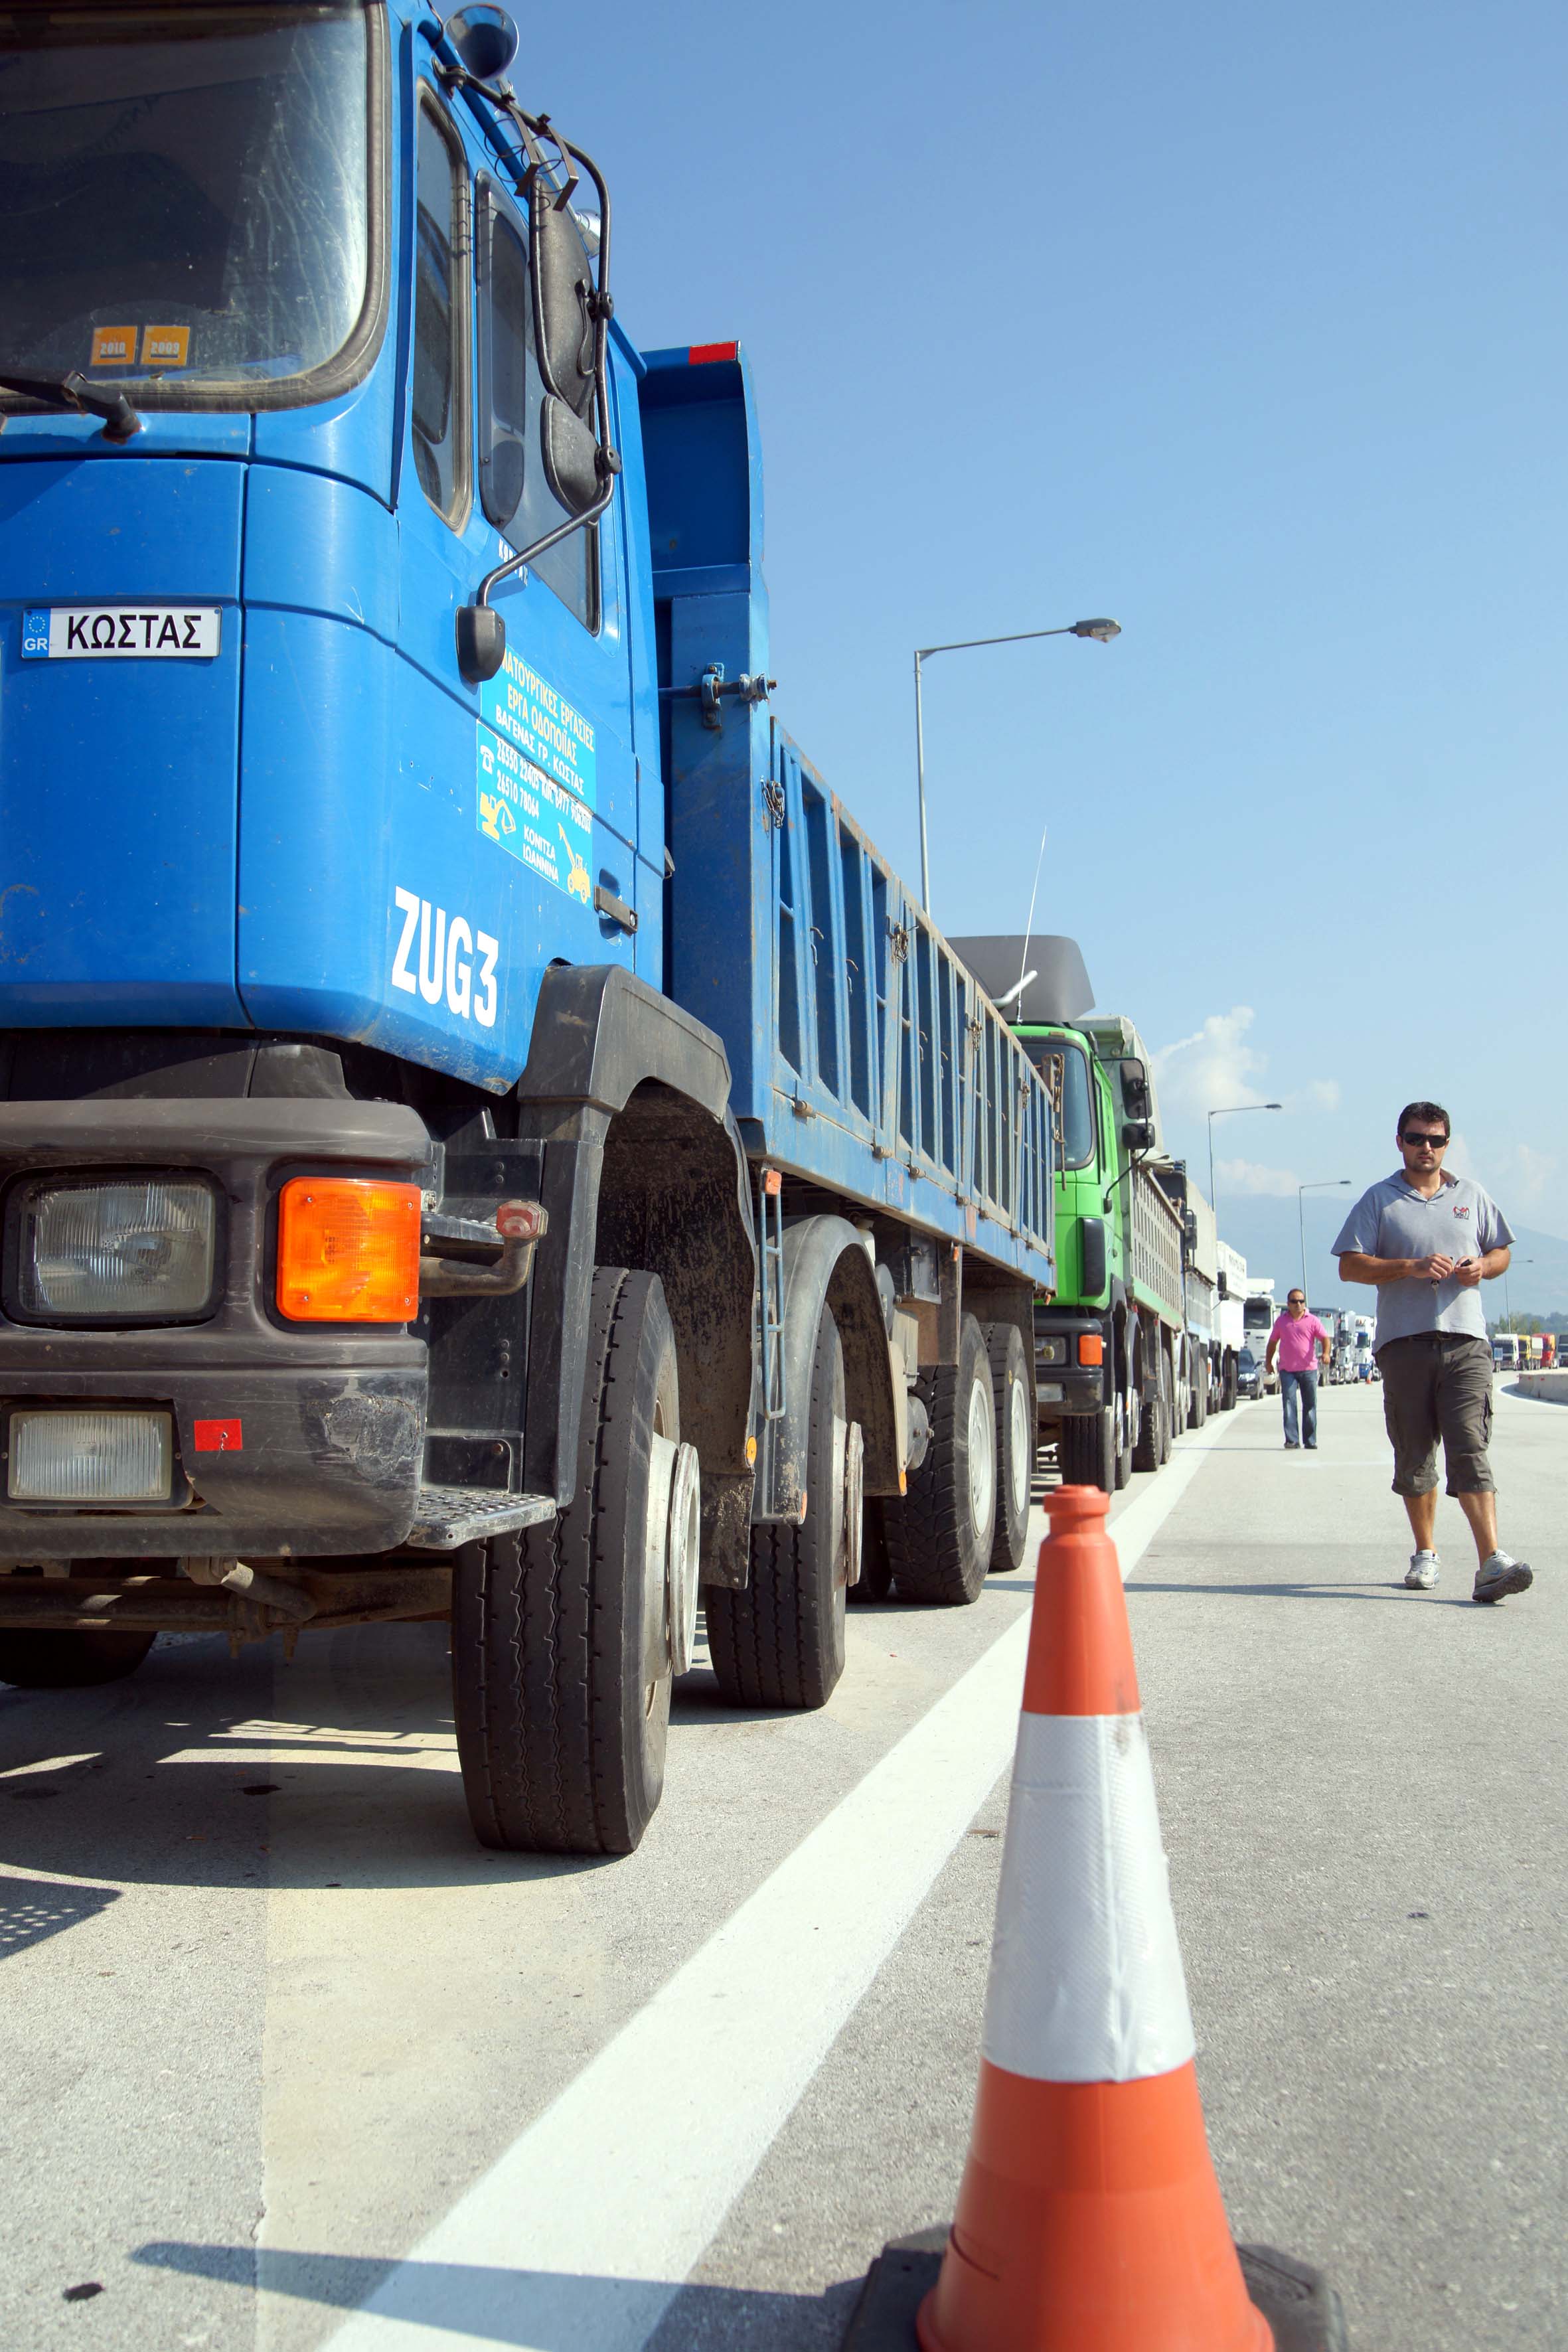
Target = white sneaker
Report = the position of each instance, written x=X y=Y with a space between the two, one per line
x=1501 y=1574
x=1422 y=1573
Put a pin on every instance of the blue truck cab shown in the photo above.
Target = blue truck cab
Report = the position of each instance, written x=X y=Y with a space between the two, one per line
x=483 y=1133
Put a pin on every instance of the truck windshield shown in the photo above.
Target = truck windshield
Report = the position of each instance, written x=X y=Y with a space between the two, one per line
x=185 y=194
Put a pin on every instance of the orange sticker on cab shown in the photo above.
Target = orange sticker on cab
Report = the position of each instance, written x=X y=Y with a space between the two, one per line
x=114 y=347
x=165 y=346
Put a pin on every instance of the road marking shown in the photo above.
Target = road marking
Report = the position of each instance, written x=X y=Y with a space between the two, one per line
x=580 y=2234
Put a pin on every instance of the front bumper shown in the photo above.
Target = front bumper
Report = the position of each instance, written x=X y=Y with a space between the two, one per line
x=1066 y=1390
x=290 y=1439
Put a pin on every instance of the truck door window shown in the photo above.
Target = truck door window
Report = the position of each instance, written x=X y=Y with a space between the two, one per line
x=1077 y=1101
x=440 y=406
x=512 y=489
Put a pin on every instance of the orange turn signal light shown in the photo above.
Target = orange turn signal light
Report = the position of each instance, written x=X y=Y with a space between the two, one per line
x=348 y=1250
x=1091 y=1348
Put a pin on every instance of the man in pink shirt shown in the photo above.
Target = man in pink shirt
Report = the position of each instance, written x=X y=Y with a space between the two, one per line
x=1301 y=1342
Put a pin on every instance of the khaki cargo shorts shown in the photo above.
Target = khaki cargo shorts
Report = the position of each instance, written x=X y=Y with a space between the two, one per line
x=1438 y=1385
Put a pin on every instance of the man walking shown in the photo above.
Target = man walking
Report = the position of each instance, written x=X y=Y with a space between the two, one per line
x=1426 y=1241
x=1301 y=1344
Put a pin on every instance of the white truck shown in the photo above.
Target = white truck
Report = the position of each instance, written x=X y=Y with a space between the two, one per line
x=1257 y=1313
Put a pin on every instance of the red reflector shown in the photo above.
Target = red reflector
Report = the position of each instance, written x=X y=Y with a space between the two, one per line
x=703 y=354
x=219 y=1437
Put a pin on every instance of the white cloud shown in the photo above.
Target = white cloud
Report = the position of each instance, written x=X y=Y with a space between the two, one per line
x=1216 y=1068
x=1252 y=1176
x=1213 y=1069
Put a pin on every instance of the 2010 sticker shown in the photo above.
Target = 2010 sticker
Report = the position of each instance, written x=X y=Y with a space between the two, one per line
x=435 y=959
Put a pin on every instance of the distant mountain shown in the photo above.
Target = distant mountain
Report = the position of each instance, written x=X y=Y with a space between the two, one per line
x=1265 y=1231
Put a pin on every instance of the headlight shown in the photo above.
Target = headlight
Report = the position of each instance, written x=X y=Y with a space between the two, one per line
x=89 y=1457
x=120 y=1250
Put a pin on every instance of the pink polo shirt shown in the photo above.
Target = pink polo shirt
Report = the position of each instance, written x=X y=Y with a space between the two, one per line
x=1298 y=1336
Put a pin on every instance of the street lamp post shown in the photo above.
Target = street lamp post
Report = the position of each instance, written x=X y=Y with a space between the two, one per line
x=1101 y=631
x=1228 y=1110
x=1325 y=1185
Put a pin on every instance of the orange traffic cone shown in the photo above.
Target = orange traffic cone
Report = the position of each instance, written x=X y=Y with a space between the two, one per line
x=1089 y=2219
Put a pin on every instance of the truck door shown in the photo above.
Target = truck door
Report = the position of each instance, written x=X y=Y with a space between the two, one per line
x=512 y=812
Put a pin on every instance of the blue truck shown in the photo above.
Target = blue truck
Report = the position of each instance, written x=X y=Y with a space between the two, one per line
x=483 y=1134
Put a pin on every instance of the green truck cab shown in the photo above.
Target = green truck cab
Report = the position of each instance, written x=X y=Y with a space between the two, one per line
x=1115 y=1372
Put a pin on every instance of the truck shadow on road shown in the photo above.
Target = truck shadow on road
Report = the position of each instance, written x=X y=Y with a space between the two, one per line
x=338 y=1771
x=547 y=2310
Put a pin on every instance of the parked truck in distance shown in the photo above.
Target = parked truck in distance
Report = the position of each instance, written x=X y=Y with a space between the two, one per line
x=1257 y=1315
x=484 y=1135
x=1113 y=1355
x=1213 y=1316
x=1230 y=1333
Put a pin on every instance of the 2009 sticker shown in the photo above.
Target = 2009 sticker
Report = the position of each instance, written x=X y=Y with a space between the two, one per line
x=435 y=959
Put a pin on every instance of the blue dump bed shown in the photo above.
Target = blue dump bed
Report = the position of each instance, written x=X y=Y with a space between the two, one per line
x=864 y=1058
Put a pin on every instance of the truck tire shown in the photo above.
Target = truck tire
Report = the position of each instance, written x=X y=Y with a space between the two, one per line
x=1121 y=1442
x=1227 y=1386
x=941 y=1530
x=1085 y=1451
x=1198 y=1406
x=61 y=1659
x=781 y=1642
x=1150 y=1450
x=1014 y=1443
x=1167 y=1409
x=561 y=1724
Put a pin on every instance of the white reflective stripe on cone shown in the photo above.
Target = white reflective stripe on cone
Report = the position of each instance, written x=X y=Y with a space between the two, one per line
x=1086 y=1976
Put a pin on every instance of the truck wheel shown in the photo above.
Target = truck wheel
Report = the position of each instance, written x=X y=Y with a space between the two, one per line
x=60 y=1659
x=1149 y=1451
x=1085 y=1451
x=939 y=1533
x=781 y=1642
x=1014 y=1443
x=1122 y=1441
x=561 y=1641
x=1198 y=1407
x=1227 y=1389
x=1167 y=1410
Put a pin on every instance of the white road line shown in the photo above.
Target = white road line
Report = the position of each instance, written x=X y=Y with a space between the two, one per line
x=576 y=2240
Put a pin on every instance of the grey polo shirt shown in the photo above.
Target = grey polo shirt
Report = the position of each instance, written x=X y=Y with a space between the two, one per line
x=1392 y=1221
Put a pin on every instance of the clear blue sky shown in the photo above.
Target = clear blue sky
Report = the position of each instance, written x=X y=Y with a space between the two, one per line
x=1247 y=326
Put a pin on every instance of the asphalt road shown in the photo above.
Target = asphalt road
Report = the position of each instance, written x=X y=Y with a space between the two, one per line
x=290 y=2063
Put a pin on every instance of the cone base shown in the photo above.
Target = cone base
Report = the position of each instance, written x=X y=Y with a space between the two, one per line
x=1301 y=2308
x=1090 y=2220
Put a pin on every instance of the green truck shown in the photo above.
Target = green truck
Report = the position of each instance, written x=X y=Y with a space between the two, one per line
x=1116 y=1371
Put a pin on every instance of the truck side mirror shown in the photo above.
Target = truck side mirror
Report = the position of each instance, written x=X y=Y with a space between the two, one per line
x=481 y=642
x=1135 y=1085
x=1138 y=1135
x=563 y=299
x=571 y=456
x=1190 y=1228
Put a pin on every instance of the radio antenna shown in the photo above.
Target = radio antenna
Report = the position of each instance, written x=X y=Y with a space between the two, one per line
x=1024 y=975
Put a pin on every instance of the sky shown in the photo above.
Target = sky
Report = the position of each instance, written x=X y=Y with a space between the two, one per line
x=1244 y=326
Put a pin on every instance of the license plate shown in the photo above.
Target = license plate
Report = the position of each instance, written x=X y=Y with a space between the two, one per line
x=122 y=632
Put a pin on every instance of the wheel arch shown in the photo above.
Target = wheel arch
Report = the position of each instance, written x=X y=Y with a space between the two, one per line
x=643 y=1166
x=825 y=1264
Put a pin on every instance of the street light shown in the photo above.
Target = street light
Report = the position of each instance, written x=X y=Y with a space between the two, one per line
x=1324 y=1184
x=1228 y=1110
x=1101 y=631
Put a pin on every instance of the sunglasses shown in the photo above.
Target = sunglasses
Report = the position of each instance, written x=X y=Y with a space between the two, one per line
x=1418 y=1142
